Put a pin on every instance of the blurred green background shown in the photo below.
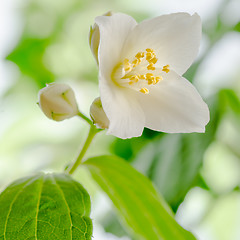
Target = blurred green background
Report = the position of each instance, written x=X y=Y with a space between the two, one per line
x=42 y=41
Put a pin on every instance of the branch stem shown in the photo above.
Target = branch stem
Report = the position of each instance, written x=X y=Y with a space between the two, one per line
x=92 y=132
x=85 y=118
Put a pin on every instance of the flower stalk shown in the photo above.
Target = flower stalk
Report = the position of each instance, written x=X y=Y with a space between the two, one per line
x=85 y=118
x=92 y=132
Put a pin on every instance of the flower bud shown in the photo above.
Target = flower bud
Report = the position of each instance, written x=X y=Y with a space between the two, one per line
x=94 y=37
x=58 y=102
x=98 y=115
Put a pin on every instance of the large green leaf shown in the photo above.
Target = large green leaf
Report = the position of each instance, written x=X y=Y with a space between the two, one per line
x=45 y=207
x=141 y=207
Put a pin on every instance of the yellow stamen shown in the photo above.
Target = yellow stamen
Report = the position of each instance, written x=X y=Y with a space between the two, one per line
x=144 y=75
x=127 y=65
x=134 y=78
x=154 y=60
x=144 y=90
x=149 y=50
x=154 y=81
x=139 y=55
x=149 y=78
x=149 y=75
x=151 y=66
x=149 y=56
x=136 y=62
x=166 y=68
x=158 y=78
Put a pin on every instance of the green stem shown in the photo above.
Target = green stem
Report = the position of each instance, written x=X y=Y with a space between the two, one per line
x=92 y=132
x=85 y=118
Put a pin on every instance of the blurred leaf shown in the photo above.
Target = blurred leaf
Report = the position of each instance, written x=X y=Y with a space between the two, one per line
x=51 y=206
x=129 y=148
x=237 y=27
x=141 y=207
x=229 y=99
x=173 y=161
x=123 y=148
x=28 y=55
x=111 y=224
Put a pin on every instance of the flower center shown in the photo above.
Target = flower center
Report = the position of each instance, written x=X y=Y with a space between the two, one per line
x=139 y=73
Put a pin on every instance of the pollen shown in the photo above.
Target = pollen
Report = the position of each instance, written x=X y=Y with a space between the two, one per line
x=127 y=65
x=149 y=56
x=136 y=62
x=144 y=90
x=166 y=68
x=134 y=78
x=139 y=55
x=154 y=60
x=149 y=75
x=158 y=78
x=142 y=71
x=149 y=78
x=149 y=50
x=151 y=66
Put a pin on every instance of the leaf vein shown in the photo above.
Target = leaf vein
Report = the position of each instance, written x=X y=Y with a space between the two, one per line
x=65 y=201
x=38 y=205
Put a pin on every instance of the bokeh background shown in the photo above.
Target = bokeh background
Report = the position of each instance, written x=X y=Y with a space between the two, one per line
x=42 y=41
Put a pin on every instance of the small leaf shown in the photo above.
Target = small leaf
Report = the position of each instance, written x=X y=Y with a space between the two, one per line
x=141 y=207
x=44 y=207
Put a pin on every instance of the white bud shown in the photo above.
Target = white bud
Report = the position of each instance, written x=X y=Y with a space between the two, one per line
x=58 y=102
x=98 y=115
x=94 y=37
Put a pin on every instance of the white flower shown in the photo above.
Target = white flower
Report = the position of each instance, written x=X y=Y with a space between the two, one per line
x=98 y=115
x=58 y=102
x=140 y=68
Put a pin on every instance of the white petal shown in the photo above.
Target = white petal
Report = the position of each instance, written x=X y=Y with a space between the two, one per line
x=174 y=106
x=113 y=33
x=174 y=37
x=123 y=111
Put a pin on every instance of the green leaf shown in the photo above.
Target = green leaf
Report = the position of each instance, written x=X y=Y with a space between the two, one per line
x=141 y=207
x=28 y=55
x=237 y=27
x=229 y=99
x=44 y=207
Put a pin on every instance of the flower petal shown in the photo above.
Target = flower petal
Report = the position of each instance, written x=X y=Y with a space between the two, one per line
x=174 y=37
x=113 y=33
x=123 y=111
x=174 y=106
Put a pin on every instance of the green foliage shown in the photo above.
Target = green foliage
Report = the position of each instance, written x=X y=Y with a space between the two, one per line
x=28 y=55
x=229 y=99
x=141 y=207
x=237 y=27
x=44 y=207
